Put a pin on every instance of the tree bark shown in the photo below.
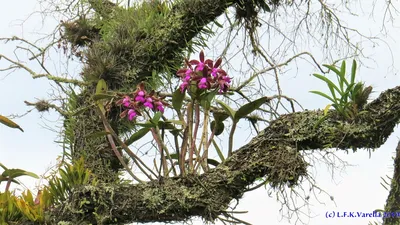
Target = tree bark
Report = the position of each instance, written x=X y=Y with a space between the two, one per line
x=275 y=154
x=391 y=215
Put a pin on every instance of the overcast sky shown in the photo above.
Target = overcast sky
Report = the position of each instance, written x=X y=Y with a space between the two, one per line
x=356 y=189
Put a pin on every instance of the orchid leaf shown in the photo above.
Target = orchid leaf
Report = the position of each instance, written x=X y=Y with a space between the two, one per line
x=156 y=118
x=328 y=82
x=174 y=156
x=100 y=96
x=213 y=162
x=177 y=122
x=219 y=152
x=146 y=125
x=167 y=125
x=353 y=72
x=249 y=108
x=323 y=95
x=333 y=68
x=207 y=99
x=13 y=173
x=137 y=135
x=101 y=87
x=227 y=109
x=219 y=129
x=220 y=117
x=177 y=99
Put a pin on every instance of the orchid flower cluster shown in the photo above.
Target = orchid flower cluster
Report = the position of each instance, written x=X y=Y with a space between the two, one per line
x=205 y=75
x=140 y=98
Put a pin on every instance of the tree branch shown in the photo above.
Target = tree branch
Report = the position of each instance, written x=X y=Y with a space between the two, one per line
x=274 y=154
x=392 y=207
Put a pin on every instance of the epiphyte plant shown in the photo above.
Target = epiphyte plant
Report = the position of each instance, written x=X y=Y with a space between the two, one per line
x=348 y=97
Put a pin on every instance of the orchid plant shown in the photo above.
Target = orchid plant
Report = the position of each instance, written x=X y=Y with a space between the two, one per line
x=202 y=80
x=349 y=96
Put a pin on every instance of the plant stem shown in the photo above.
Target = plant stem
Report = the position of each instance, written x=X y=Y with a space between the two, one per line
x=8 y=184
x=165 y=149
x=121 y=160
x=163 y=161
x=204 y=140
x=231 y=138
x=177 y=151
x=134 y=157
x=190 y=137
x=211 y=138
x=185 y=140
x=196 y=127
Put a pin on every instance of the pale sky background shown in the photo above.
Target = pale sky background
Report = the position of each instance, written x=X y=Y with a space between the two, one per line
x=355 y=189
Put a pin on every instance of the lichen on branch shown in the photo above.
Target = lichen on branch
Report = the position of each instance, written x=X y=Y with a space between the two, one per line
x=275 y=154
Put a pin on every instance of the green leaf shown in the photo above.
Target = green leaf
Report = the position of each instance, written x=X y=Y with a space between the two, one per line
x=249 y=108
x=175 y=132
x=357 y=89
x=219 y=152
x=101 y=86
x=347 y=94
x=166 y=125
x=324 y=95
x=177 y=122
x=329 y=83
x=13 y=173
x=219 y=129
x=177 y=100
x=156 y=118
x=327 y=109
x=97 y=134
x=353 y=71
x=207 y=99
x=101 y=96
x=137 y=135
x=220 y=117
x=227 y=109
x=174 y=156
x=194 y=91
x=81 y=110
x=343 y=69
x=213 y=162
x=264 y=6
x=333 y=68
x=146 y=125
x=9 y=123
x=3 y=166
x=218 y=24
x=342 y=76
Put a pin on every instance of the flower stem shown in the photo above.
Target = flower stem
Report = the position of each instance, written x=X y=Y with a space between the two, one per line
x=165 y=149
x=190 y=137
x=196 y=128
x=204 y=140
x=163 y=160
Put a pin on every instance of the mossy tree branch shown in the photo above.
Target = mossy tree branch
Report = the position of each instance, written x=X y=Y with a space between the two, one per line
x=393 y=200
x=274 y=154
